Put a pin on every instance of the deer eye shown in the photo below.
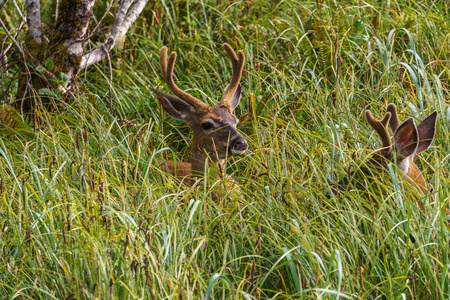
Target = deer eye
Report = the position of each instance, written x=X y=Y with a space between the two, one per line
x=206 y=126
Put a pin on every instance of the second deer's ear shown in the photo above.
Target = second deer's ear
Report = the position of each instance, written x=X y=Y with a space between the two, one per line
x=175 y=107
x=236 y=98
x=426 y=131
x=405 y=139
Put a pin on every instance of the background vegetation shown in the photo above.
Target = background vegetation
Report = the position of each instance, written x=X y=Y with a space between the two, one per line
x=86 y=212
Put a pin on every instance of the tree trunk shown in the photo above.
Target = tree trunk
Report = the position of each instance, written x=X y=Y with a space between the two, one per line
x=52 y=64
x=40 y=81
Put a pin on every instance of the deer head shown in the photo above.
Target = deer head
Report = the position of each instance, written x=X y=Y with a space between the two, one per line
x=215 y=133
x=408 y=142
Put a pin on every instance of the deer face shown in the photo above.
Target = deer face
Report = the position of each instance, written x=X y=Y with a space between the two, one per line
x=218 y=135
x=409 y=141
x=215 y=132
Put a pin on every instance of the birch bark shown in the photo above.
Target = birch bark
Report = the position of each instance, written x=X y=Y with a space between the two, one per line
x=34 y=20
x=124 y=19
x=65 y=46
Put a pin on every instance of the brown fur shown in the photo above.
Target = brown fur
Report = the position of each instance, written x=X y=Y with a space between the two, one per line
x=409 y=141
x=215 y=135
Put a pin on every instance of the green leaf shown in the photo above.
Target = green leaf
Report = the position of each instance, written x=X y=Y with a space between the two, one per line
x=216 y=276
x=40 y=69
x=49 y=93
x=54 y=80
x=49 y=64
x=63 y=77
x=30 y=64
x=292 y=269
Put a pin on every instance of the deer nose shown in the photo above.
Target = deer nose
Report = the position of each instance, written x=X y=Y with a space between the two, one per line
x=240 y=144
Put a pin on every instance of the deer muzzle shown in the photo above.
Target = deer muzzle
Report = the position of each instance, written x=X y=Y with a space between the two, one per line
x=238 y=146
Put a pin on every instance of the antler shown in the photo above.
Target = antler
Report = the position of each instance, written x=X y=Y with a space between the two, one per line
x=394 y=122
x=167 y=70
x=382 y=130
x=238 y=65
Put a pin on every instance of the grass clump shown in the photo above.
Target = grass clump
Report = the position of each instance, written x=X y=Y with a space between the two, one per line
x=87 y=212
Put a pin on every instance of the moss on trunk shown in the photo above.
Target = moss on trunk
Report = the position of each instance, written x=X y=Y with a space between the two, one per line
x=69 y=27
x=65 y=50
x=29 y=80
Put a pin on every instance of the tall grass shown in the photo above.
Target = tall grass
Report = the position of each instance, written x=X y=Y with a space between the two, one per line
x=86 y=211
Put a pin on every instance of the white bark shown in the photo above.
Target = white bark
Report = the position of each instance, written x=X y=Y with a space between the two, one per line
x=121 y=13
x=56 y=11
x=133 y=15
x=34 y=20
x=75 y=46
x=122 y=24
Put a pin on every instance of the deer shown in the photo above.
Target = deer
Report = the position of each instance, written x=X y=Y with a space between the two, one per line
x=408 y=141
x=215 y=134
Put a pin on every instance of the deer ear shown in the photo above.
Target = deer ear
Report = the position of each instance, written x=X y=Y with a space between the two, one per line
x=236 y=98
x=426 y=131
x=175 y=107
x=406 y=138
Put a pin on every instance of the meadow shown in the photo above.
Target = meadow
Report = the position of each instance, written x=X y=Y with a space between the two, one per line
x=86 y=211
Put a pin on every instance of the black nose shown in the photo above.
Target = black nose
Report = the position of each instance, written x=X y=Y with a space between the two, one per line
x=240 y=144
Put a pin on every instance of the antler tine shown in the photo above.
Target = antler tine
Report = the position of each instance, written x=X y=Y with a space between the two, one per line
x=381 y=128
x=394 y=122
x=167 y=70
x=238 y=65
x=163 y=60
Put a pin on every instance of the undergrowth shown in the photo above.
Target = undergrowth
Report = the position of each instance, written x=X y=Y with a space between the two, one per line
x=87 y=212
